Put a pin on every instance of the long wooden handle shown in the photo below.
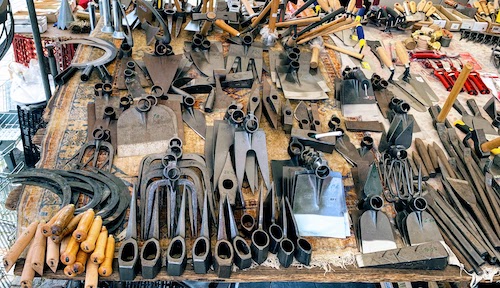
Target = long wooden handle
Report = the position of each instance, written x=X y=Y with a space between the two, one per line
x=69 y=255
x=421 y=5
x=335 y=4
x=68 y=229
x=100 y=247
x=314 y=57
x=262 y=14
x=492 y=144
x=28 y=273
x=427 y=6
x=52 y=258
x=177 y=5
x=335 y=23
x=47 y=227
x=384 y=57
x=89 y=244
x=402 y=53
x=324 y=5
x=83 y=227
x=106 y=268
x=274 y=15
x=92 y=275
x=457 y=87
x=80 y=262
x=248 y=7
x=345 y=51
x=224 y=26
x=10 y=258
x=63 y=219
x=413 y=7
x=350 y=6
x=298 y=22
x=333 y=29
x=205 y=27
x=39 y=245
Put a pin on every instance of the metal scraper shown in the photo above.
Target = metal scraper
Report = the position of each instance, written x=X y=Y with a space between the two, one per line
x=479 y=122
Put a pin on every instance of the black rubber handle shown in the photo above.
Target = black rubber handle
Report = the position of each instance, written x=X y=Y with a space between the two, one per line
x=86 y=73
x=65 y=75
x=463 y=127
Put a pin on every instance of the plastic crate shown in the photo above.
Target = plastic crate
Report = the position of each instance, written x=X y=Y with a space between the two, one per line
x=30 y=120
x=24 y=50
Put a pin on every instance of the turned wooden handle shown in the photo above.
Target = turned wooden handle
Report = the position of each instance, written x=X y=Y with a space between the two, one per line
x=489 y=145
x=335 y=23
x=39 y=245
x=92 y=276
x=63 y=245
x=177 y=5
x=205 y=27
x=427 y=6
x=224 y=26
x=52 y=258
x=47 y=227
x=345 y=51
x=69 y=271
x=10 y=258
x=80 y=262
x=68 y=229
x=479 y=8
x=100 y=247
x=402 y=53
x=491 y=8
x=399 y=7
x=332 y=29
x=324 y=5
x=335 y=4
x=83 y=227
x=413 y=7
x=484 y=6
x=298 y=22
x=457 y=87
x=95 y=229
x=210 y=6
x=204 y=6
x=431 y=11
x=314 y=57
x=421 y=5
x=28 y=273
x=248 y=7
x=63 y=219
x=274 y=15
x=350 y=6
x=262 y=14
x=386 y=59
x=69 y=255
x=106 y=268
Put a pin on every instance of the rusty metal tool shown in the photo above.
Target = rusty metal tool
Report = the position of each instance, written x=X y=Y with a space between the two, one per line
x=271 y=106
x=424 y=155
x=303 y=248
x=177 y=251
x=260 y=238
x=202 y=254
x=129 y=251
x=150 y=253
x=242 y=252
x=165 y=39
x=274 y=231
x=302 y=115
x=249 y=56
x=478 y=121
x=286 y=246
x=287 y=117
x=224 y=252
x=194 y=118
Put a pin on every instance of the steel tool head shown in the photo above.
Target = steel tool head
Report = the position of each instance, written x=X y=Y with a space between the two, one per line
x=224 y=253
x=260 y=238
x=151 y=258
x=286 y=246
x=274 y=230
x=202 y=254
x=242 y=252
x=176 y=252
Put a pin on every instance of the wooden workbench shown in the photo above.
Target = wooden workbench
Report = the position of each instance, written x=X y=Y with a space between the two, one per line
x=332 y=258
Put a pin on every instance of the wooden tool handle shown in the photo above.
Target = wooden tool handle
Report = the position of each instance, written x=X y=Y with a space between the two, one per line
x=100 y=247
x=384 y=57
x=262 y=14
x=210 y=6
x=224 y=26
x=457 y=87
x=63 y=245
x=489 y=145
x=39 y=245
x=52 y=258
x=92 y=275
x=47 y=227
x=10 y=258
x=345 y=51
x=178 y=6
x=350 y=6
x=95 y=229
x=431 y=11
x=324 y=5
x=106 y=267
x=68 y=229
x=83 y=227
x=298 y=22
x=314 y=57
x=333 y=29
x=63 y=219
x=28 y=273
x=413 y=7
x=424 y=155
x=484 y=6
x=335 y=4
x=427 y=6
x=402 y=53
x=434 y=157
x=274 y=15
x=248 y=7
x=80 y=262
x=315 y=32
x=69 y=271
x=204 y=6
x=205 y=27
x=491 y=8
x=69 y=255
x=421 y=5
x=399 y=7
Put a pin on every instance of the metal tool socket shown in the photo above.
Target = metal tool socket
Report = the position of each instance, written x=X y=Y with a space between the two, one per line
x=150 y=258
x=128 y=264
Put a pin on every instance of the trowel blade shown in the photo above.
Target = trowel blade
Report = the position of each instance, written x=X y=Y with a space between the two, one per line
x=375 y=231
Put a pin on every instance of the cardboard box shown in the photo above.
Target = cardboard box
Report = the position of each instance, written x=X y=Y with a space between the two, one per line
x=451 y=22
x=493 y=27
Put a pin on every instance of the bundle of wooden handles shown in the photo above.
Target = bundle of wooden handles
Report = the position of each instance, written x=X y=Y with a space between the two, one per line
x=80 y=242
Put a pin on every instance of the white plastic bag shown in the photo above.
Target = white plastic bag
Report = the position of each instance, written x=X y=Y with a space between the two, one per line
x=27 y=86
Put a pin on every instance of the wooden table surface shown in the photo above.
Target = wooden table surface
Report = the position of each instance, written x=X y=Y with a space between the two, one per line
x=54 y=155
